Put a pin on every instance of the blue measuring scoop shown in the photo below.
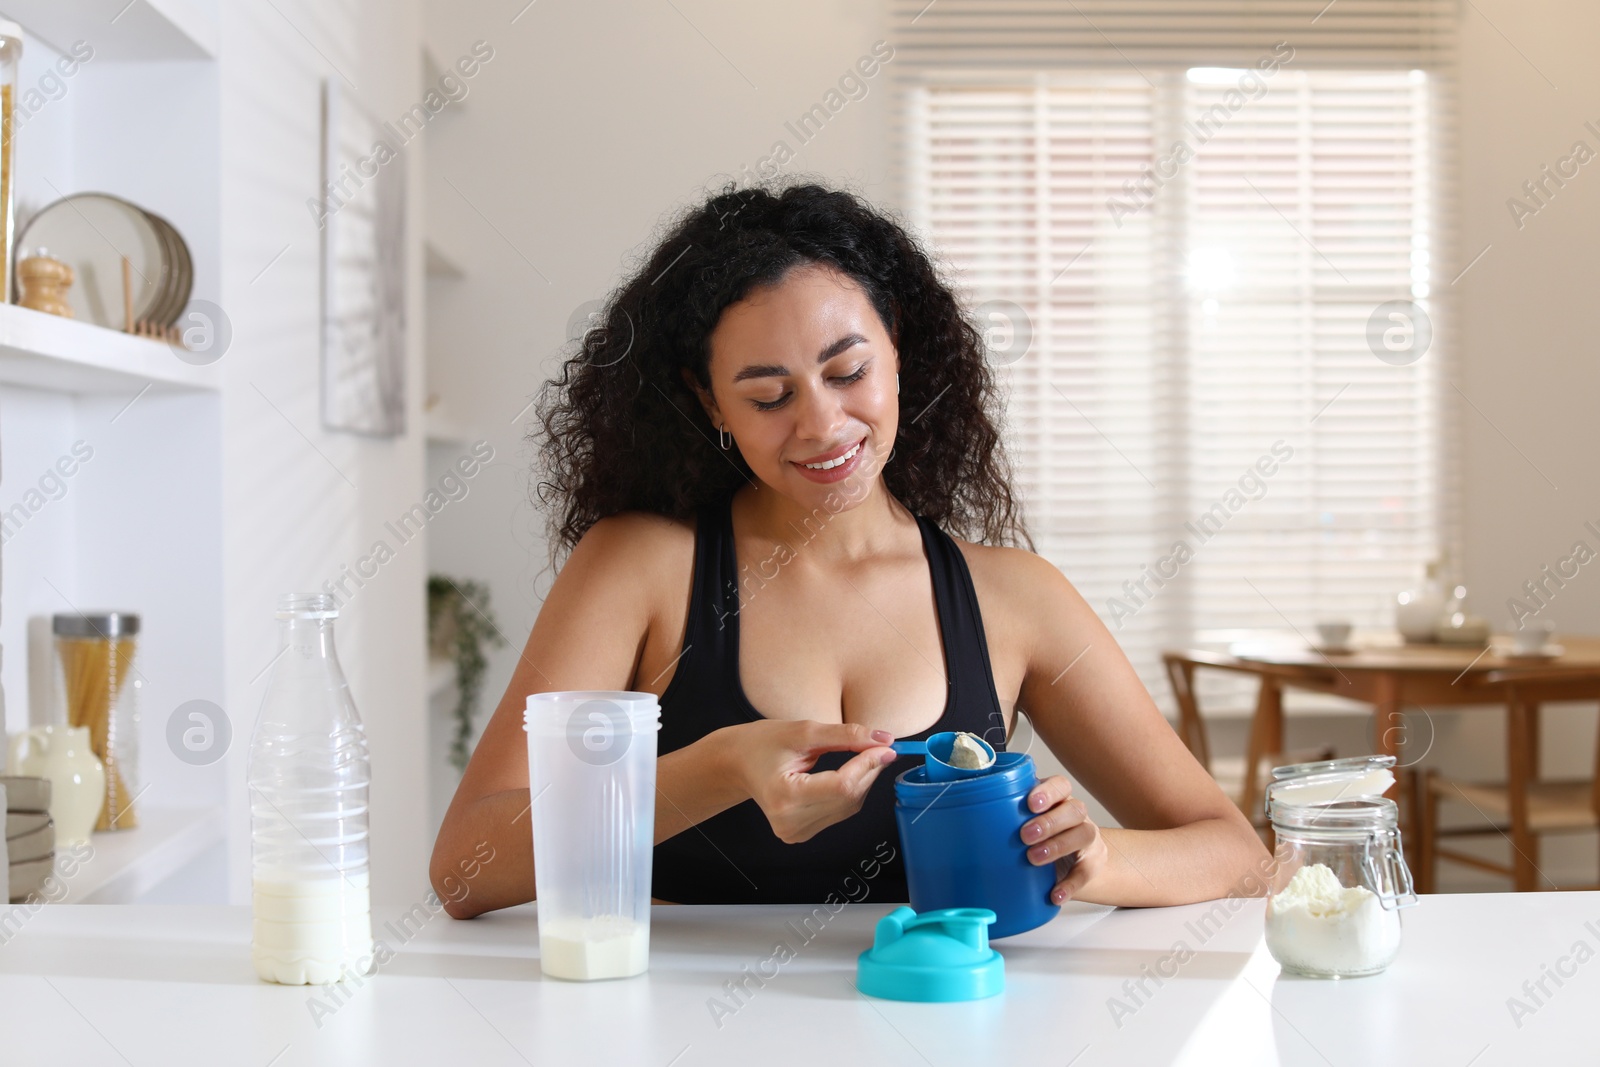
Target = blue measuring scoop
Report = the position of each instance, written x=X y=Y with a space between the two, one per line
x=937 y=750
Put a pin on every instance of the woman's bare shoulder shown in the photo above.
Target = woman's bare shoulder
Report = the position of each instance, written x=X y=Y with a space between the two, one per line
x=642 y=548
x=1014 y=575
x=1029 y=607
x=632 y=539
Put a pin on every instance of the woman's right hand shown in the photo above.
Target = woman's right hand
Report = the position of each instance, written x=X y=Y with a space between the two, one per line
x=774 y=758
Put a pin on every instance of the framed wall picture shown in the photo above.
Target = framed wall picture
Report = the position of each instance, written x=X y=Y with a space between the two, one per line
x=362 y=214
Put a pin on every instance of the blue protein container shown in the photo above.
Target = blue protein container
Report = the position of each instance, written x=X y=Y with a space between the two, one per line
x=963 y=847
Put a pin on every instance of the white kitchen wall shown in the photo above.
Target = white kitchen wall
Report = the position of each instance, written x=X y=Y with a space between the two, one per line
x=300 y=502
x=1526 y=324
x=1528 y=317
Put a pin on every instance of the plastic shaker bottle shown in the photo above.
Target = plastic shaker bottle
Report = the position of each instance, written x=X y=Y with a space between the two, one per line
x=592 y=776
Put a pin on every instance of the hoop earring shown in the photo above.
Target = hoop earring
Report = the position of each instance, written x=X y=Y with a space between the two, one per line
x=896 y=391
x=722 y=437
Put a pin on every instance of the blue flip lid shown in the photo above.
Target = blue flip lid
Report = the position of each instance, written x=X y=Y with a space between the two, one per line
x=940 y=955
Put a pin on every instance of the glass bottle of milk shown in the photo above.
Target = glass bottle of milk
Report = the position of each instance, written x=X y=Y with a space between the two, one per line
x=309 y=775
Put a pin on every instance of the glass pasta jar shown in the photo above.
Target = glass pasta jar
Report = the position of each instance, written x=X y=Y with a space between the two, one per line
x=100 y=687
x=1333 y=910
x=10 y=54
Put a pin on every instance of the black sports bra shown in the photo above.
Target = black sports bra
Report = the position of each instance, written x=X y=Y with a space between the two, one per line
x=734 y=857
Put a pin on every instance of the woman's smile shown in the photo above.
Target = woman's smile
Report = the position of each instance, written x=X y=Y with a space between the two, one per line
x=834 y=465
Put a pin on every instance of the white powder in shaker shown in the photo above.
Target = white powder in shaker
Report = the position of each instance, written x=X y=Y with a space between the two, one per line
x=967 y=753
x=1317 y=926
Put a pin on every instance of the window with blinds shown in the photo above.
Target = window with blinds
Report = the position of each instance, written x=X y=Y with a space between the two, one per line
x=1204 y=434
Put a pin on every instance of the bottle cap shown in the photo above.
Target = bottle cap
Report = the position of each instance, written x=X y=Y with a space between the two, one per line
x=941 y=955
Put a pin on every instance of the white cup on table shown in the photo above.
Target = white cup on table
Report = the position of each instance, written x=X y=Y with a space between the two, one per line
x=1334 y=634
x=1533 y=635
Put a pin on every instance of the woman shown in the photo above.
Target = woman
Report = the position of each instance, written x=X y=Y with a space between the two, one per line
x=753 y=465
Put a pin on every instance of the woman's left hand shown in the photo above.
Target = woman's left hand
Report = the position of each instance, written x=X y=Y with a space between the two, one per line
x=1062 y=833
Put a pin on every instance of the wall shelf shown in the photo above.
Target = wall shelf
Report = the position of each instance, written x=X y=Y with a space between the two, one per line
x=126 y=863
x=43 y=351
x=140 y=525
x=148 y=30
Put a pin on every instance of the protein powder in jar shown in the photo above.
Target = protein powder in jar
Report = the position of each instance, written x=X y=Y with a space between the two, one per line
x=1333 y=909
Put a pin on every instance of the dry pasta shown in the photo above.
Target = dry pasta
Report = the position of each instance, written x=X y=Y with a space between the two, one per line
x=95 y=670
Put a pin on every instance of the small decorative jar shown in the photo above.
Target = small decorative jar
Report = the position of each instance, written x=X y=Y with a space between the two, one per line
x=1340 y=878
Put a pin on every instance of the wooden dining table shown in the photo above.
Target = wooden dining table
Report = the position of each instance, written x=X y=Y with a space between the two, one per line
x=1380 y=670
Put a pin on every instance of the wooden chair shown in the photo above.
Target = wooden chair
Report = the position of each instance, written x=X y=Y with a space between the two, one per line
x=1265 y=750
x=1524 y=806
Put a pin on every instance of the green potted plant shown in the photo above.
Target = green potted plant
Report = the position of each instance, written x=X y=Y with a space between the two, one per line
x=460 y=624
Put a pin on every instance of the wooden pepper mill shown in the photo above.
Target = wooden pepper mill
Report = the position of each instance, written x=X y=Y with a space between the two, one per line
x=44 y=283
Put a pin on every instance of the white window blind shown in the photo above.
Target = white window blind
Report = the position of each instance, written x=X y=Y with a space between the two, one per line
x=1200 y=371
x=1152 y=34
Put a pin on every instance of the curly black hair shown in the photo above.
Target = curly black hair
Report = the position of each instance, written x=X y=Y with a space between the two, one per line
x=622 y=431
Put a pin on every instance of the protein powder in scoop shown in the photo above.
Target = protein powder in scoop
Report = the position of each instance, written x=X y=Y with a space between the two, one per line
x=968 y=753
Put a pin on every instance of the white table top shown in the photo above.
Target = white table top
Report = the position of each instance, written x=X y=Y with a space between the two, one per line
x=128 y=984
